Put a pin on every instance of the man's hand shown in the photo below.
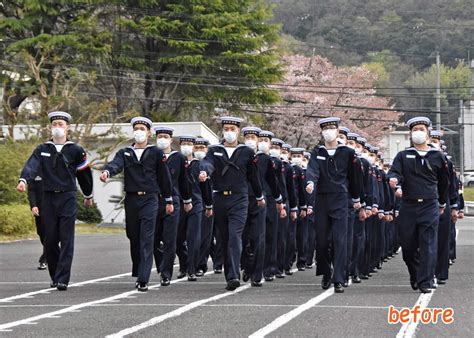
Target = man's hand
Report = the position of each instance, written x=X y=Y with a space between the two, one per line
x=393 y=182
x=309 y=212
x=188 y=207
x=35 y=211
x=21 y=187
x=368 y=213
x=454 y=215
x=88 y=203
x=169 y=209
x=209 y=213
x=375 y=211
x=280 y=207
x=461 y=215
x=261 y=203
x=303 y=213
x=283 y=213
x=441 y=211
x=202 y=176
x=399 y=193
x=357 y=206
x=293 y=215
x=381 y=216
x=310 y=188
x=362 y=215
x=104 y=176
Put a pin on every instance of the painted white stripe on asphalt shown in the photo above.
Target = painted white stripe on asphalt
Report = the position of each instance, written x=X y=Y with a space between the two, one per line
x=175 y=313
x=408 y=329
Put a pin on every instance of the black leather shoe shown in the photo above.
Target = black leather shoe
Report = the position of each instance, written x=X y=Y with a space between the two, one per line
x=192 y=277
x=233 y=284
x=53 y=285
x=199 y=273
x=414 y=285
x=338 y=288
x=181 y=274
x=136 y=285
x=308 y=266
x=364 y=277
x=280 y=275
x=356 y=279
x=61 y=287
x=441 y=281
x=288 y=272
x=369 y=275
x=424 y=290
x=217 y=270
x=165 y=281
x=374 y=270
x=42 y=266
x=245 y=277
x=345 y=284
x=325 y=284
x=257 y=284
x=301 y=268
x=143 y=287
x=268 y=278
x=379 y=266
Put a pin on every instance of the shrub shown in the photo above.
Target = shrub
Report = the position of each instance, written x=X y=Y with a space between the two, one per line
x=87 y=215
x=16 y=219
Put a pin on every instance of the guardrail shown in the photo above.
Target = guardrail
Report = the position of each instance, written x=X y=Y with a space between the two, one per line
x=469 y=208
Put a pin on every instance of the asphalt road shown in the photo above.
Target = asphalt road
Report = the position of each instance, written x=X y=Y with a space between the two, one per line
x=101 y=299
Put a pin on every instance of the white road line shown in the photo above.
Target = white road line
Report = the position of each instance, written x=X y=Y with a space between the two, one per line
x=408 y=329
x=175 y=313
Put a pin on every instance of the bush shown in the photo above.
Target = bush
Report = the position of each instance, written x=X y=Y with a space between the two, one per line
x=87 y=215
x=16 y=219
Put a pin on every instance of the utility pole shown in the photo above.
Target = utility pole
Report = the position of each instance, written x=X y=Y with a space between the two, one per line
x=461 y=138
x=438 y=92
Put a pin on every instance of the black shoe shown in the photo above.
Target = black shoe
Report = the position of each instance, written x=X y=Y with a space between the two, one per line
x=279 y=275
x=192 y=277
x=288 y=272
x=414 y=285
x=257 y=284
x=245 y=277
x=374 y=270
x=379 y=266
x=181 y=274
x=369 y=275
x=309 y=266
x=165 y=281
x=61 y=287
x=345 y=284
x=325 y=284
x=301 y=268
x=137 y=284
x=233 y=284
x=269 y=278
x=441 y=281
x=199 y=273
x=53 y=285
x=364 y=277
x=217 y=270
x=338 y=288
x=385 y=260
x=356 y=279
x=42 y=266
x=142 y=287
x=424 y=290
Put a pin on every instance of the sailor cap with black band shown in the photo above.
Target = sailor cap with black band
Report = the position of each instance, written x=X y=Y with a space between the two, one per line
x=187 y=138
x=374 y=150
x=141 y=120
x=307 y=155
x=352 y=136
x=164 y=130
x=59 y=115
x=417 y=121
x=266 y=133
x=344 y=130
x=437 y=134
x=286 y=146
x=367 y=146
x=329 y=121
x=362 y=141
x=251 y=131
x=297 y=151
x=277 y=142
x=201 y=141
x=236 y=121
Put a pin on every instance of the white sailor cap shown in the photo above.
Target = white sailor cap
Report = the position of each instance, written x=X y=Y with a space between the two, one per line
x=266 y=133
x=286 y=146
x=352 y=136
x=164 y=130
x=374 y=150
x=329 y=121
x=251 y=131
x=307 y=155
x=362 y=141
x=142 y=120
x=419 y=120
x=277 y=142
x=236 y=121
x=295 y=151
x=437 y=134
x=201 y=141
x=187 y=138
x=344 y=130
x=59 y=115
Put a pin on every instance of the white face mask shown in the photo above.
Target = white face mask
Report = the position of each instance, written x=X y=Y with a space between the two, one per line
x=186 y=150
x=264 y=147
x=58 y=132
x=343 y=141
x=437 y=146
x=364 y=156
x=329 y=135
x=304 y=164
x=139 y=136
x=358 y=152
x=351 y=146
x=162 y=143
x=418 y=137
x=251 y=144
x=297 y=161
x=284 y=157
x=274 y=152
x=371 y=160
x=230 y=136
x=200 y=154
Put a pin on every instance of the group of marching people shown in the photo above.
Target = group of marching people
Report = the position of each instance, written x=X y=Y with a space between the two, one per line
x=260 y=207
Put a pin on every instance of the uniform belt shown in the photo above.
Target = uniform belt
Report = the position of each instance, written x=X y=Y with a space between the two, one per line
x=225 y=192
x=416 y=200
x=141 y=193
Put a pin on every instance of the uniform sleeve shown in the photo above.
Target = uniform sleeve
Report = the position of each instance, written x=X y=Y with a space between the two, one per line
x=396 y=170
x=84 y=173
x=253 y=177
x=206 y=193
x=301 y=178
x=368 y=186
x=290 y=186
x=32 y=193
x=164 y=177
x=443 y=183
x=115 y=166
x=185 y=187
x=453 y=187
x=312 y=173
x=353 y=175
x=208 y=163
x=271 y=178
x=32 y=166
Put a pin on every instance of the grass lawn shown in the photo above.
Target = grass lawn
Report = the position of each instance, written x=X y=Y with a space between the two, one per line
x=81 y=228
x=469 y=194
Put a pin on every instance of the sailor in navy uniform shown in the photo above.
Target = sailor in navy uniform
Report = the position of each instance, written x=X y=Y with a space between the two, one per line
x=287 y=187
x=60 y=161
x=298 y=228
x=164 y=246
x=423 y=174
x=232 y=167
x=333 y=174
x=35 y=197
x=145 y=174
x=310 y=243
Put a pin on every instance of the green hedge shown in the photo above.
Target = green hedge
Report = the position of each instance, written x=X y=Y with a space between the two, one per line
x=16 y=219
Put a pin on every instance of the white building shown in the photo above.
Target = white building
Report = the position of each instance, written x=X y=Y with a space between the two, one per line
x=111 y=213
x=467 y=121
x=393 y=142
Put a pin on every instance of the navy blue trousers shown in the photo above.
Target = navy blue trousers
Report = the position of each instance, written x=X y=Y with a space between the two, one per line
x=281 y=241
x=253 y=238
x=271 y=238
x=358 y=247
x=188 y=240
x=442 y=264
x=207 y=225
x=311 y=240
